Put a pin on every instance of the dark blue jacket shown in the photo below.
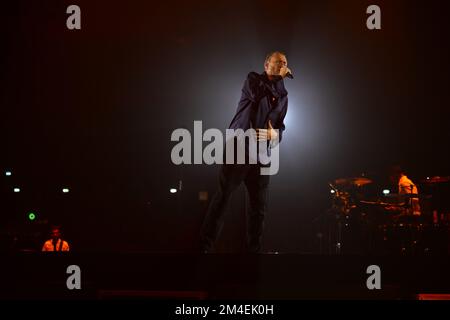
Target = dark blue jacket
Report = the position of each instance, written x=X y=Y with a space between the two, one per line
x=262 y=99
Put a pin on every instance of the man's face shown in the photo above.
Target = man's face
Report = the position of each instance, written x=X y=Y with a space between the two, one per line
x=275 y=63
x=56 y=234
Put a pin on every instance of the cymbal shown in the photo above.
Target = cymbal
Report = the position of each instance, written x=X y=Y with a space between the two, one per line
x=436 y=179
x=357 y=181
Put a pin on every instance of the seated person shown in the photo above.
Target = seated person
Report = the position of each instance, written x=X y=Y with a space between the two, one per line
x=408 y=194
x=56 y=243
x=407 y=187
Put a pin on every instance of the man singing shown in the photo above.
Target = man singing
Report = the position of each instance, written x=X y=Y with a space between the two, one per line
x=262 y=107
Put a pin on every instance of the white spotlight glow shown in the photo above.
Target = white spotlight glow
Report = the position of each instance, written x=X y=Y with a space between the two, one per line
x=173 y=190
x=8 y=173
x=386 y=191
x=16 y=190
x=332 y=191
x=65 y=190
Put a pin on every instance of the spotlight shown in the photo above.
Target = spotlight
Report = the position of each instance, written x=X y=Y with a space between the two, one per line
x=8 y=173
x=386 y=191
x=16 y=190
x=31 y=216
x=173 y=190
x=65 y=190
x=332 y=191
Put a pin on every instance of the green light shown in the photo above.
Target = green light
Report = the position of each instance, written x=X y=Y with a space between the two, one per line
x=31 y=216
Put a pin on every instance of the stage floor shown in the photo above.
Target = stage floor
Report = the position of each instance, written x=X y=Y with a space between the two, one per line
x=220 y=276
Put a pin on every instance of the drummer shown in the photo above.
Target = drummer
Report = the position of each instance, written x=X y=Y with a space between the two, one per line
x=407 y=187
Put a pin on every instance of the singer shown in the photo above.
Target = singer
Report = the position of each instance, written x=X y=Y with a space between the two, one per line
x=263 y=106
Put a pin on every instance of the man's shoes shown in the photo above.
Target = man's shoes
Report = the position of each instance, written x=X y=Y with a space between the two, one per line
x=205 y=247
x=204 y=250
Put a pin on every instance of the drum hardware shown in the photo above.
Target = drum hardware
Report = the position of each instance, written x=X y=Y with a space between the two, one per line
x=387 y=217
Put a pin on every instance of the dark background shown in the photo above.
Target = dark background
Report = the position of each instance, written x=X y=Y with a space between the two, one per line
x=93 y=110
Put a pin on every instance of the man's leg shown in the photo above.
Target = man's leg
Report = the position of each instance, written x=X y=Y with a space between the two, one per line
x=230 y=178
x=257 y=186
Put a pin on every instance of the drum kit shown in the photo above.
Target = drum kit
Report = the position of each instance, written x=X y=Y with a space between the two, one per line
x=384 y=222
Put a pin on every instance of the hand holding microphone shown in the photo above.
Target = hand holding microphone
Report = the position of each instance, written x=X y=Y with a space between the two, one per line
x=286 y=72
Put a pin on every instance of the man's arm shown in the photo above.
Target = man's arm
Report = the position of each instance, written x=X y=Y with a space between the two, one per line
x=251 y=94
x=253 y=89
x=65 y=246
x=45 y=247
x=280 y=123
x=275 y=137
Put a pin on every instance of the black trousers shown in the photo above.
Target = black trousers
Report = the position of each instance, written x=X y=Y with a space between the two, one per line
x=231 y=176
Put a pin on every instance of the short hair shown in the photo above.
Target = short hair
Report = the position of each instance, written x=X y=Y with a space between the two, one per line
x=55 y=227
x=268 y=56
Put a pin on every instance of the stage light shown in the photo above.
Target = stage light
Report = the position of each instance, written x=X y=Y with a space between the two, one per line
x=332 y=191
x=173 y=190
x=386 y=191
x=16 y=190
x=8 y=173
x=65 y=190
x=31 y=216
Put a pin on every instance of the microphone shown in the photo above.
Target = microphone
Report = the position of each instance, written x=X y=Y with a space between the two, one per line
x=289 y=75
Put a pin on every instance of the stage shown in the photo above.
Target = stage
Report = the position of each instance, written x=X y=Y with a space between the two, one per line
x=182 y=276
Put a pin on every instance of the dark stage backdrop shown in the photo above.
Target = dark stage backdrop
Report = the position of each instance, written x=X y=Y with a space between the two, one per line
x=93 y=110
